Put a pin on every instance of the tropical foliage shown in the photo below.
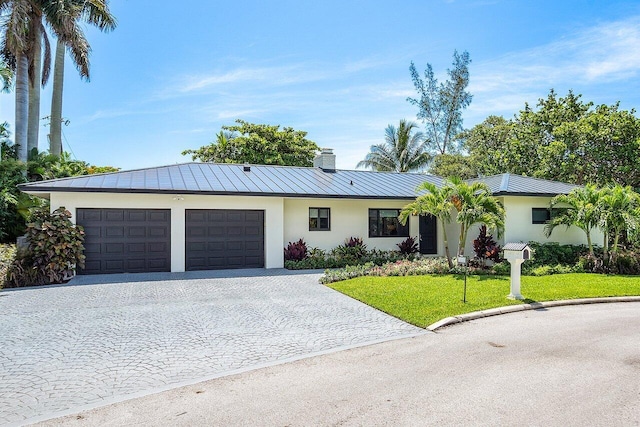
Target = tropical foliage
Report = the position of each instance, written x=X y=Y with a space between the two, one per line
x=440 y=105
x=54 y=253
x=97 y=14
x=25 y=50
x=472 y=204
x=615 y=210
x=434 y=201
x=581 y=208
x=564 y=139
x=258 y=144
x=403 y=150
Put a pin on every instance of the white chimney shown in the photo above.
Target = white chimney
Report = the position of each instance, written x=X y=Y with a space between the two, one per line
x=326 y=160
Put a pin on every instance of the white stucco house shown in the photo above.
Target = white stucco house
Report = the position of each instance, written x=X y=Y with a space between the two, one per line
x=200 y=216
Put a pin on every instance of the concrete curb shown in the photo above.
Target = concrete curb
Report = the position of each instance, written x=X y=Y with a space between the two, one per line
x=534 y=306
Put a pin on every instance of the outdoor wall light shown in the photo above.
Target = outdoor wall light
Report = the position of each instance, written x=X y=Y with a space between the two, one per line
x=178 y=197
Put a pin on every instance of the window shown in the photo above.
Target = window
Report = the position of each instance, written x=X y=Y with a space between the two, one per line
x=319 y=219
x=544 y=215
x=384 y=223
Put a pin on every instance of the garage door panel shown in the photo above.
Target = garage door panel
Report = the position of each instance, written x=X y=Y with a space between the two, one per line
x=124 y=240
x=117 y=231
x=140 y=216
x=158 y=232
x=137 y=231
x=114 y=215
x=233 y=238
x=216 y=246
x=216 y=231
x=156 y=247
x=114 y=248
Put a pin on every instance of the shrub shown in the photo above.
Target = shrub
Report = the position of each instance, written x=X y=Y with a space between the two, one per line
x=7 y=258
x=408 y=246
x=485 y=247
x=554 y=254
x=296 y=251
x=351 y=251
x=55 y=250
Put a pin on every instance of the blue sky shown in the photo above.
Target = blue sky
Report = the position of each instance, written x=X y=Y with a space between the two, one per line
x=169 y=77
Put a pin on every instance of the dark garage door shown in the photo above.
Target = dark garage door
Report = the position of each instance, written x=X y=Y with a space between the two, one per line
x=126 y=240
x=218 y=239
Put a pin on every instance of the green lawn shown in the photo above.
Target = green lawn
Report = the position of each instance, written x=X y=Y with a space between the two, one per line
x=423 y=300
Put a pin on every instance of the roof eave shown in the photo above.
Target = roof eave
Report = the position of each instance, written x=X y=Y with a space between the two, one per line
x=45 y=191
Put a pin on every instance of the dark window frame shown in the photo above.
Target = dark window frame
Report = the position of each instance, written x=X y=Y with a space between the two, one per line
x=403 y=230
x=319 y=227
x=549 y=213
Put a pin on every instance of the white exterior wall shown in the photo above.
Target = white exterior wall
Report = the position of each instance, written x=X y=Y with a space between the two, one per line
x=348 y=218
x=273 y=219
x=519 y=226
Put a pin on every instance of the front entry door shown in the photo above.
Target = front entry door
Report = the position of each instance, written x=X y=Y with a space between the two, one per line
x=428 y=235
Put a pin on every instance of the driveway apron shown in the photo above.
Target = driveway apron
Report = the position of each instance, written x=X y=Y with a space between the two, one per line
x=86 y=344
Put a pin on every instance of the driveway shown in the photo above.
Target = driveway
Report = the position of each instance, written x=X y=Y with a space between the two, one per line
x=565 y=366
x=89 y=343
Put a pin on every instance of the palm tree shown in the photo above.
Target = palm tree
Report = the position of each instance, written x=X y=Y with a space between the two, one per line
x=474 y=204
x=402 y=151
x=583 y=211
x=95 y=12
x=620 y=209
x=6 y=77
x=437 y=202
x=22 y=28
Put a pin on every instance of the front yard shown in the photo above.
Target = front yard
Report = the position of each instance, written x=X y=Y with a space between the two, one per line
x=423 y=300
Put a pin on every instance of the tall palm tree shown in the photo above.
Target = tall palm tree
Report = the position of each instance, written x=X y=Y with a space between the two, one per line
x=96 y=13
x=583 y=211
x=435 y=201
x=474 y=204
x=402 y=151
x=22 y=28
x=6 y=76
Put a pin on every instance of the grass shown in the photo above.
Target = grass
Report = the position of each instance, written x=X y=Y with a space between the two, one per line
x=423 y=300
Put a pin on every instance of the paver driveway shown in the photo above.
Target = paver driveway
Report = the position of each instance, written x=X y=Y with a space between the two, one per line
x=67 y=347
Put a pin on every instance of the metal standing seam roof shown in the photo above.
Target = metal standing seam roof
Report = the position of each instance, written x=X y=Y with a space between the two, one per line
x=261 y=180
x=284 y=181
x=507 y=184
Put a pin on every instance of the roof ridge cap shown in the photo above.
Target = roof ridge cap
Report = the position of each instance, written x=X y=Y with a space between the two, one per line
x=504 y=185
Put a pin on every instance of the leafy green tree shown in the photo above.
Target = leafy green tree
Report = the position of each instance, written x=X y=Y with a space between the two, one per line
x=564 y=139
x=474 y=204
x=258 y=144
x=403 y=150
x=96 y=13
x=440 y=105
x=582 y=208
x=448 y=165
x=435 y=201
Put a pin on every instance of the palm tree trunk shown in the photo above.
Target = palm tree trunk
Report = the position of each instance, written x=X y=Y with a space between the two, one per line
x=589 y=244
x=55 y=138
x=461 y=241
x=22 y=105
x=34 y=93
x=446 y=244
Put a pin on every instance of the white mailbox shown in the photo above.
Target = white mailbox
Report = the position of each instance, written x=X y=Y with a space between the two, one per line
x=516 y=254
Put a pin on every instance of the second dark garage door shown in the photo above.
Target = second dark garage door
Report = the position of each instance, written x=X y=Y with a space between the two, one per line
x=219 y=239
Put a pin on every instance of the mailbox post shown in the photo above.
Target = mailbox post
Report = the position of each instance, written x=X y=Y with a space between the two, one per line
x=516 y=254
